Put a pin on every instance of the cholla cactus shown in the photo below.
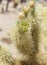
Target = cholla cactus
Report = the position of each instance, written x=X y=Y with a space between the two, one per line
x=6 y=57
x=42 y=45
x=26 y=34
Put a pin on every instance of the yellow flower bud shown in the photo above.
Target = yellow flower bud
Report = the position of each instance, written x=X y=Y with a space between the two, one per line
x=26 y=10
x=32 y=3
x=21 y=15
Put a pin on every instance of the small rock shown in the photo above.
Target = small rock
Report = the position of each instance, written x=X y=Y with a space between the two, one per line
x=0 y=29
x=6 y=40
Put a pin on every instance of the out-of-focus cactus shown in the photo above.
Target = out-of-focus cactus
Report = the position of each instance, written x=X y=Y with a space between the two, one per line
x=6 y=57
x=42 y=45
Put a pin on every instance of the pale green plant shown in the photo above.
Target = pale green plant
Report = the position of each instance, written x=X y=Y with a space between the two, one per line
x=25 y=36
x=23 y=26
x=6 y=57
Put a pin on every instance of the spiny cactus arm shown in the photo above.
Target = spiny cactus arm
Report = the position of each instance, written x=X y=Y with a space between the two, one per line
x=6 y=57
